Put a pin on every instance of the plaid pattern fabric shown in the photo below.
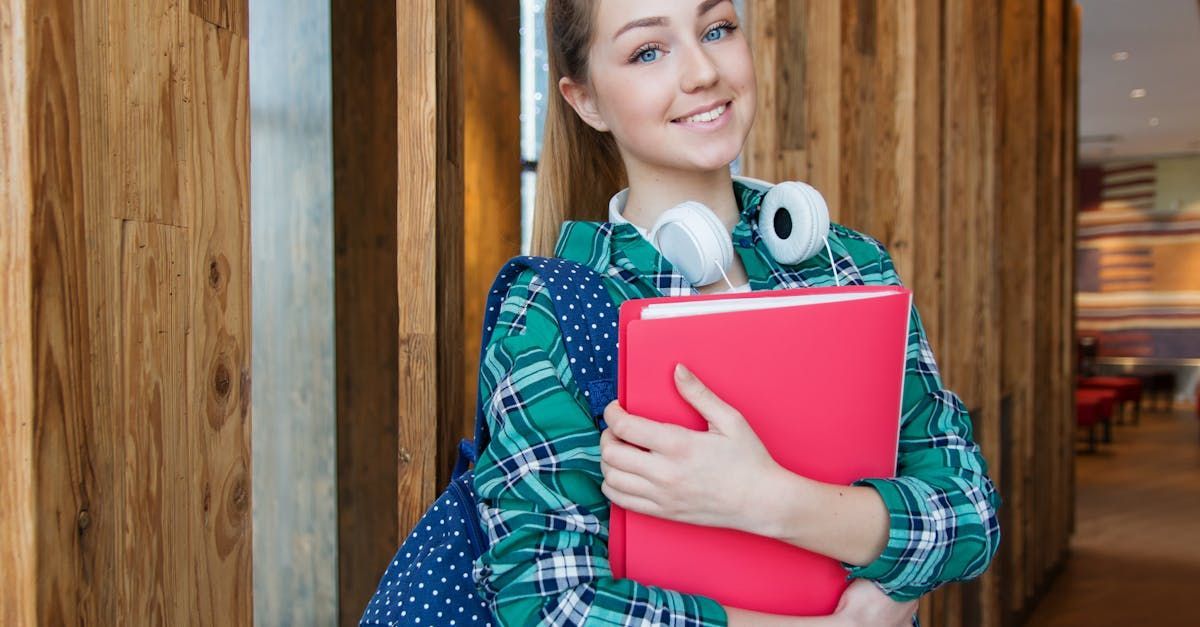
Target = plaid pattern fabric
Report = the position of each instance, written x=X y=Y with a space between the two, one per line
x=539 y=479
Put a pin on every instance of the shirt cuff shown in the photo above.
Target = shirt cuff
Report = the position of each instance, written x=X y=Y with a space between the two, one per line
x=890 y=567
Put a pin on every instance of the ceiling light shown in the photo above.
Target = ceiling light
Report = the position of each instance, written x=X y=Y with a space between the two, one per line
x=1120 y=56
x=1153 y=121
x=1138 y=93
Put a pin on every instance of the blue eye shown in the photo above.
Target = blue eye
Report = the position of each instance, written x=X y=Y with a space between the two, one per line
x=648 y=56
x=720 y=30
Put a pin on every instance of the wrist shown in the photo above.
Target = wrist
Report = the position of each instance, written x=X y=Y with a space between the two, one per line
x=781 y=504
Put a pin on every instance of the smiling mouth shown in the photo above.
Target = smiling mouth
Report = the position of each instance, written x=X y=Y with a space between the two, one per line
x=707 y=116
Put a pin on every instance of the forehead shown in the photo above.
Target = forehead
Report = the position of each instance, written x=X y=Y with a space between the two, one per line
x=616 y=16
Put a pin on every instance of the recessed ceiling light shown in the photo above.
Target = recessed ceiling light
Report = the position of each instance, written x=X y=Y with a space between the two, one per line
x=1153 y=121
x=1120 y=56
x=1138 y=93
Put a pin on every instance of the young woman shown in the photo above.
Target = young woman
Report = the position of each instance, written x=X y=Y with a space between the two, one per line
x=661 y=96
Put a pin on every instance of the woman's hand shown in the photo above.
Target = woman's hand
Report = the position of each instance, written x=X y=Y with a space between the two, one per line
x=706 y=478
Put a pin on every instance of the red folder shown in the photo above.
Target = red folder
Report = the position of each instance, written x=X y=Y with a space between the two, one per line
x=821 y=386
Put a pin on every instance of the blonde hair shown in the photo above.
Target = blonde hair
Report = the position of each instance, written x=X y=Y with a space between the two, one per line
x=579 y=168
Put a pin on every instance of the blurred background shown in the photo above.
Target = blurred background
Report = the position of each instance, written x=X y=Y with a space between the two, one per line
x=309 y=200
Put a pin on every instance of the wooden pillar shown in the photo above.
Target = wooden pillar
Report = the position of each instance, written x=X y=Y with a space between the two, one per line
x=1018 y=214
x=398 y=189
x=365 y=183
x=127 y=127
x=18 y=516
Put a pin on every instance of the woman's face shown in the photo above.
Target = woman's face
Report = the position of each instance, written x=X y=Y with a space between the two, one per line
x=672 y=80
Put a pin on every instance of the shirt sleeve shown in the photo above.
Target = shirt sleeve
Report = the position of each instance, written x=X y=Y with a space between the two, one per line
x=942 y=504
x=538 y=483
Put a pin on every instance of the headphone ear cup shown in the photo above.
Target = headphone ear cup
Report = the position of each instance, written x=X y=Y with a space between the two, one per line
x=793 y=221
x=691 y=236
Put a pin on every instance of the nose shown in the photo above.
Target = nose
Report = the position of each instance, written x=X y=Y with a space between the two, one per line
x=699 y=71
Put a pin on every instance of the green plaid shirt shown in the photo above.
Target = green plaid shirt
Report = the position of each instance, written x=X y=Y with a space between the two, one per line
x=539 y=479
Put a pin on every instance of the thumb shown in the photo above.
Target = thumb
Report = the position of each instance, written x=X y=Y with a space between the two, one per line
x=717 y=412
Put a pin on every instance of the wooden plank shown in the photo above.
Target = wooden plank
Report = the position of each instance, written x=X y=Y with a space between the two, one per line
x=492 y=169
x=969 y=154
x=228 y=14
x=217 y=188
x=790 y=92
x=760 y=154
x=365 y=275
x=1069 y=214
x=448 y=237
x=139 y=122
x=1019 y=106
x=18 y=604
x=1050 y=155
x=823 y=118
x=925 y=277
x=294 y=405
x=75 y=325
x=156 y=548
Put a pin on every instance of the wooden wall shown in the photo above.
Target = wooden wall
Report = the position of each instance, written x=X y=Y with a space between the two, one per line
x=126 y=128
x=399 y=256
x=946 y=130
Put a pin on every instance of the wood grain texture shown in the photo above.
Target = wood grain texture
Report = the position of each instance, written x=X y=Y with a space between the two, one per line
x=219 y=379
x=233 y=15
x=824 y=119
x=1017 y=222
x=1047 y=550
x=448 y=236
x=969 y=355
x=492 y=170
x=156 y=431
x=392 y=463
x=366 y=152
x=141 y=416
x=18 y=602
x=78 y=447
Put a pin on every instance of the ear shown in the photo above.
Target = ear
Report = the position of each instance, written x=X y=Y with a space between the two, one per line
x=583 y=101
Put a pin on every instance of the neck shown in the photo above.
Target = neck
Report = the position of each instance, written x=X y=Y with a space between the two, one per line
x=653 y=192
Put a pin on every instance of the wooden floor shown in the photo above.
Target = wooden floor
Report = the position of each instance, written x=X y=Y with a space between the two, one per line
x=1135 y=556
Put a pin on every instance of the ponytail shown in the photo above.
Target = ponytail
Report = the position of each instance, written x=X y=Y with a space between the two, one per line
x=579 y=168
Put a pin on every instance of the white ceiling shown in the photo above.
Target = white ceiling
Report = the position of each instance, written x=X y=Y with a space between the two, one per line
x=1162 y=38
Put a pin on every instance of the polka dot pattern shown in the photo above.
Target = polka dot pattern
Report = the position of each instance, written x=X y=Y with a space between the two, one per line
x=429 y=581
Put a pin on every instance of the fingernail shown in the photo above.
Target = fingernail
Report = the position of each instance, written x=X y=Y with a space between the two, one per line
x=682 y=373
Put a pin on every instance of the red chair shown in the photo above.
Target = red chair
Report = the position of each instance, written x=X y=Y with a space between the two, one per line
x=1128 y=389
x=1095 y=406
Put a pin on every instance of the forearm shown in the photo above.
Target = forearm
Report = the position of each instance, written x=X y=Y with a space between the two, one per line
x=846 y=523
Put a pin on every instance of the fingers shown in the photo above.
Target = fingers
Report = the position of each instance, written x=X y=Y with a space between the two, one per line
x=617 y=454
x=628 y=501
x=716 y=411
x=651 y=435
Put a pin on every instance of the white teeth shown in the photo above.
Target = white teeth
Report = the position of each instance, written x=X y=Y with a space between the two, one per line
x=708 y=116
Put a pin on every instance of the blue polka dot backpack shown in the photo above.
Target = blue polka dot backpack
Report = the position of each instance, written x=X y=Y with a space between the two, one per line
x=429 y=581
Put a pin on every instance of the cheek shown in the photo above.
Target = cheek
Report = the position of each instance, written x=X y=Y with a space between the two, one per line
x=638 y=103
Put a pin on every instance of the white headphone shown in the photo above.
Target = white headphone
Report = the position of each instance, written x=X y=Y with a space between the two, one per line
x=793 y=222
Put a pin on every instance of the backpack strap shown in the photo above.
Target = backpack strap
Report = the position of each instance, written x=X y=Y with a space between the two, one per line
x=585 y=314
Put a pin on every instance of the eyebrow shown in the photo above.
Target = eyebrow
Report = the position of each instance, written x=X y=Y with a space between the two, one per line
x=705 y=7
